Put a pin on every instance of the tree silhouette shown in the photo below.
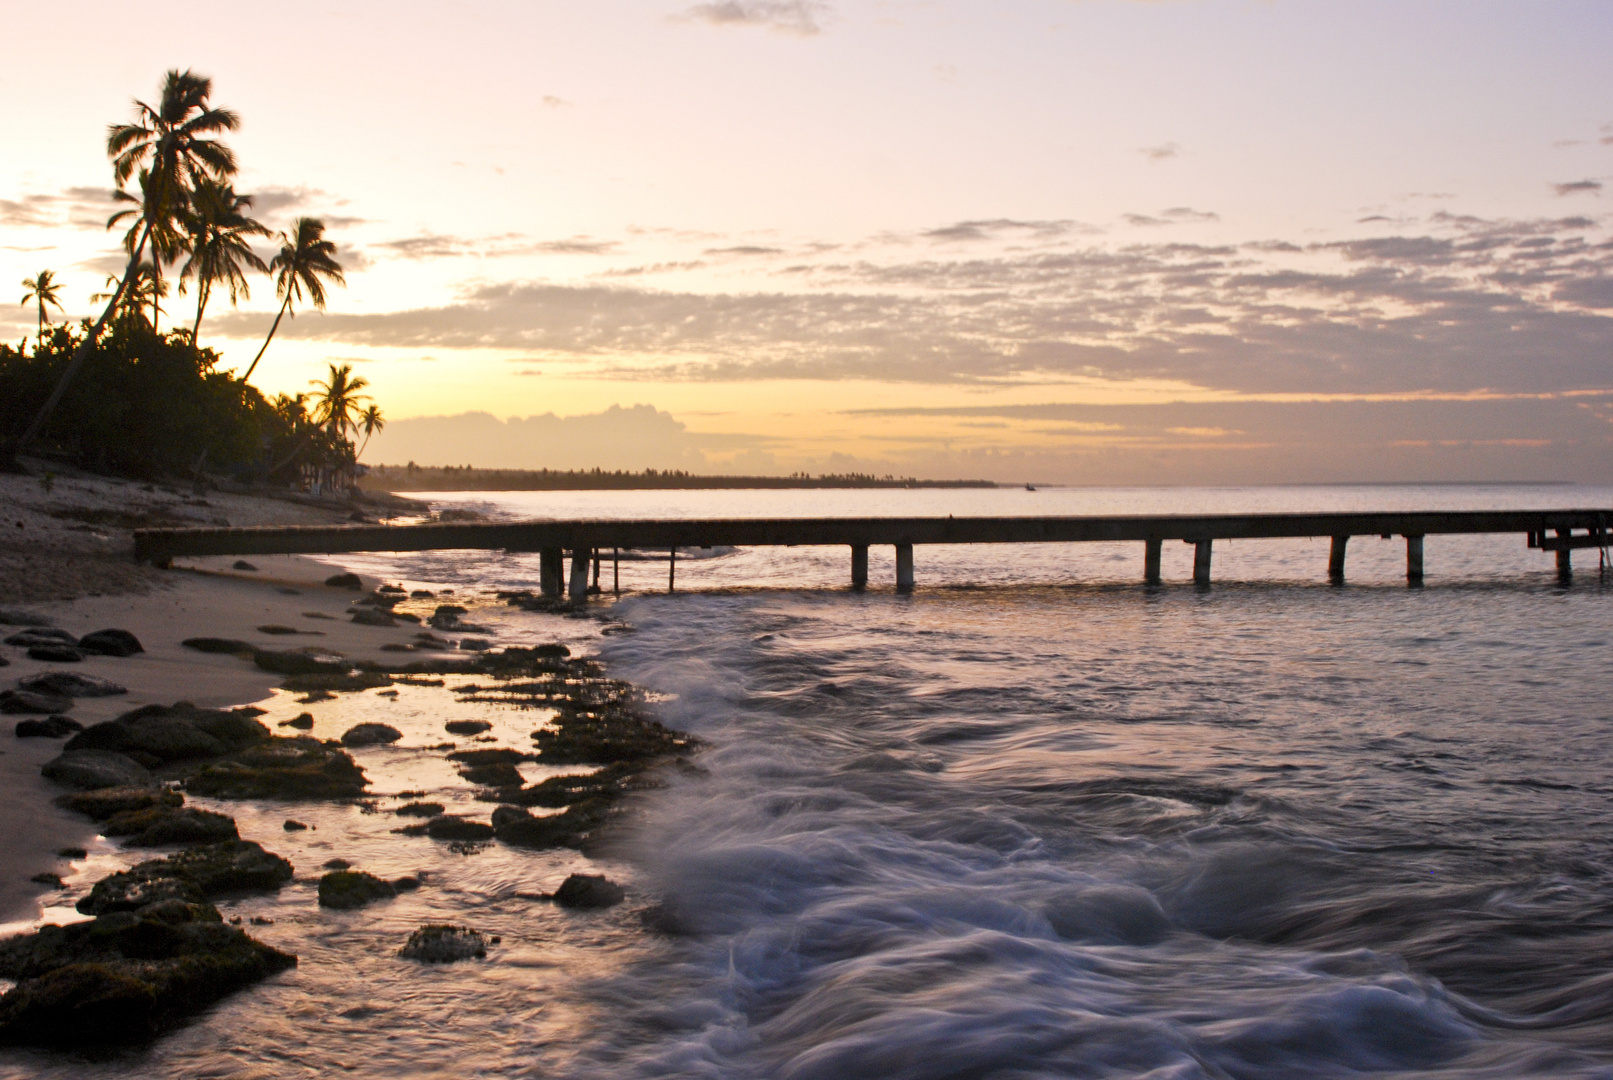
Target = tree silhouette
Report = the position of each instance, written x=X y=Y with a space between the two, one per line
x=45 y=291
x=305 y=257
x=336 y=402
x=170 y=147
x=369 y=422
x=219 y=233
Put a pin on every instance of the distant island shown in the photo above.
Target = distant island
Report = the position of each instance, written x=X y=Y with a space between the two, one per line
x=413 y=477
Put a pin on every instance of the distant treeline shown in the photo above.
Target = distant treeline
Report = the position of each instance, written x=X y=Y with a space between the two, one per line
x=412 y=477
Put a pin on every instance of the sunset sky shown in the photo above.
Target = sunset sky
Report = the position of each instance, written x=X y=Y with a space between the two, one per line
x=1091 y=242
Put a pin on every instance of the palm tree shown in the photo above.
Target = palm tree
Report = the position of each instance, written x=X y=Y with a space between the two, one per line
x=336 y=402
x=369 y=422
x=144 y=290
x=305 y=257
x=45 y=291
x=170 y=147
x=219 y=231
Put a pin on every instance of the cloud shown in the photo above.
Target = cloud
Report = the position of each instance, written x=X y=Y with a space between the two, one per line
x=995 y=227
x=1187 y=213
x=81 y=207
x=1577 y=187
x=441 y=246
x=555 y=102
x=1464 y=304
x=577 y=245
x=743 y=249
x=633 y=438
x=800 y=17
x=1162 y=152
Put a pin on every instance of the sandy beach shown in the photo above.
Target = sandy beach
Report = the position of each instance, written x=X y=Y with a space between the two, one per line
x=65 y=557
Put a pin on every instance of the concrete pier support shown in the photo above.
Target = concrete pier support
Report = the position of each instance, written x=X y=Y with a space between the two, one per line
x=580 y=559
x=859 y=566
x=904 y=567
x=1151 y=561
x=1201 y=562
x=1335 y=560
x=672 y=571
x=1414 y=560
x=1565 y=559
x=551 y=569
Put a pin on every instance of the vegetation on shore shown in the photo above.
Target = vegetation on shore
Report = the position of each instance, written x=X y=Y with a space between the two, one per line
x=118 y=394
x=412 y=477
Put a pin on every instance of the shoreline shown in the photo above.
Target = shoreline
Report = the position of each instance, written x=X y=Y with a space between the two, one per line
x=204 y=598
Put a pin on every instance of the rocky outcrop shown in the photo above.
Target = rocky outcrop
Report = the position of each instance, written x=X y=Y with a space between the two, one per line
x=370 y=734
x=589 y=891
x=28 y=701
x=70 y=684
x=194 y=876
x=345 y=890
x=441 y=943
x=52 y=727
x=111 y=642
x=90 y=769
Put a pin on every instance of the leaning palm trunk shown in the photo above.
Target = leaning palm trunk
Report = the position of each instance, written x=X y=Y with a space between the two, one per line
x=81 y=352
x=201 y=306
x=276 y=325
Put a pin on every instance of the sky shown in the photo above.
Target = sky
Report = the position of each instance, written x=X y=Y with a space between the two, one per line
x=1077 y=241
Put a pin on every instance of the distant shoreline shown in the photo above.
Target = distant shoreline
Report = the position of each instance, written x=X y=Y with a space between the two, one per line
x=405 y=478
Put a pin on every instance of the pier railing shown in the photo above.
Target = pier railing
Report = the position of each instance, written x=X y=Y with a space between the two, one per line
x=1559 y=531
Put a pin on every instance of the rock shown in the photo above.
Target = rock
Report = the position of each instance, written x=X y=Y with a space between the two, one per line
x=589 y=891
x=504 y=816
x=89 y=769
x=55 y=654
x=497 y=775
x=159 y=825
x=242 y=564
x=449 y=611
x=193 y=875
x=420 y=809
x=302 y=722
x=41 y=635
x=70 y=684
x=467 y=727
x=299 y=663
x=471 y=644
x=112 y=642
x=106 y=802
x=337 y=864
x=173 y=733
x=348 y=889
x=370 y=734
x=448 y=827
x=72 y=853
x=126 y=977
x=3 y=661
x=407 y=883
x=373 y=617
x=282 y=768
x=19 y=617
x=277 y=629
x=53 y=727
x=498 y=756
x=347 y=681
x=422 y=594
x=292 y=825
x=47 y=878
x=400 y=590
x=440 y=943
x=220 y=645
x=345 y=581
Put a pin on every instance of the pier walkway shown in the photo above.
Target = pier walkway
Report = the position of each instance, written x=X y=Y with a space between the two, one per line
x=1559 y=531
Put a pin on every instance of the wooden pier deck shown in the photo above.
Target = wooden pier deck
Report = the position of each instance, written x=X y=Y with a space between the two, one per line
x=1559 y=531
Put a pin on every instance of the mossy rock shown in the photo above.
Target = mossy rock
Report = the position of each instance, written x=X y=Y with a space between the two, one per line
x=159 y=825
x=370 y=734
x=194 y=876
x=282 y=768
x=448 y=827
x=103 y=804
x=228 y=646
x=299 y=663
x=466 y=727
x=420 y=809
x=348 y=889
x=440 y=943
x=127 y=976
x=589 y=891
x=172 y=733
x=331 y=682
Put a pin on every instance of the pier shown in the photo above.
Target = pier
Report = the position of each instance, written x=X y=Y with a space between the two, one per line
x=1557 y=531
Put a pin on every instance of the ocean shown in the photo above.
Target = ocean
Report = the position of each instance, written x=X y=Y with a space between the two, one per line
x=1032 y=820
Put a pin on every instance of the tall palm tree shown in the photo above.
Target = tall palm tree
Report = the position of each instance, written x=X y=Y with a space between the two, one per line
x=218 y=233
x=369 y=422
x=45 y=291
x=144 y=290
x=169 y=146
x=336 y=407
x=305 y=257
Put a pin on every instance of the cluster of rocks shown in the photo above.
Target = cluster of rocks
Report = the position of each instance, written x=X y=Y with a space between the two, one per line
x=156 y=952
x=51 y=645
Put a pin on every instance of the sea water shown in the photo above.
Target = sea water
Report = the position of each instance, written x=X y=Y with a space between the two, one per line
x=1034 y=819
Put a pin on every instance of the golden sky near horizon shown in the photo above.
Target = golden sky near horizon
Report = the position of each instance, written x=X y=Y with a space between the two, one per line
x=1083 y=241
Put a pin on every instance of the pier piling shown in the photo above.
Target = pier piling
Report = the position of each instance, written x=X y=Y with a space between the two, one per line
x=1151 y=548
x=1335 y=560
x=1565 y=559
x=1414 y=560
x=904 y=568
x=579 y=574
x=551 y=568
x=859 y=566
x=1201 y=561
